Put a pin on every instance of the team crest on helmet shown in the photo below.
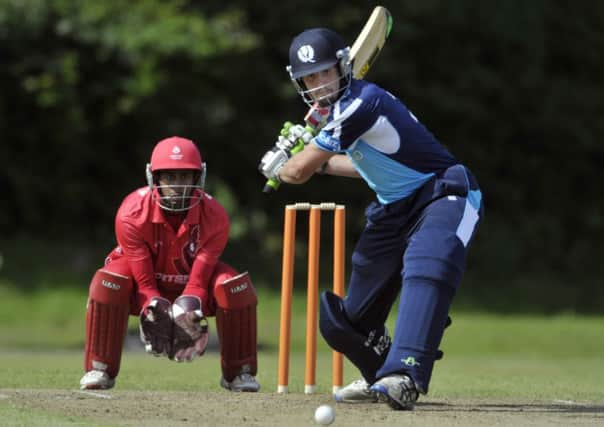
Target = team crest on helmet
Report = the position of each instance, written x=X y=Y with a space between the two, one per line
x=306 y=53
x=176 y=153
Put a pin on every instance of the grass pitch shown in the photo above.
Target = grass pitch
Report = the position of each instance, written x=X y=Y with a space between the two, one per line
x=497 y=370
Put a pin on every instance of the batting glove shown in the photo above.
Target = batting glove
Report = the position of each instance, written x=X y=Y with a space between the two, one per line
x=292 y=139
x=296 y=133
x=272 y=161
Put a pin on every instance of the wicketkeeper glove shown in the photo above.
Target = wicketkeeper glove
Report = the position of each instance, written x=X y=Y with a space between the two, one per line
x=190 y=337
x=156 y=327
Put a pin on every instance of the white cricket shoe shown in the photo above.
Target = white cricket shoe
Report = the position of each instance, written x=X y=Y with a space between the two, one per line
x=242 y=382
x=96 y=380
x=356 y=392
x=397 y=390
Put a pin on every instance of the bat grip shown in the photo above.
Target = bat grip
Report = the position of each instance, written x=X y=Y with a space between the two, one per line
x=271 y=186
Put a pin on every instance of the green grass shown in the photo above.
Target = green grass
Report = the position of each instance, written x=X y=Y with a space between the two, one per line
x=457 y=376
x=13 y=416
x=549 y=357
x=52 y=318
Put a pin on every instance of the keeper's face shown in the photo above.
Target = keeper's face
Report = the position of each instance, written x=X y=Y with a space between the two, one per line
x=323 y=84
x=175 y=186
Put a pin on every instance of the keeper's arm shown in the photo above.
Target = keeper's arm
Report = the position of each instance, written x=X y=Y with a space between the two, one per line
x=139 y=259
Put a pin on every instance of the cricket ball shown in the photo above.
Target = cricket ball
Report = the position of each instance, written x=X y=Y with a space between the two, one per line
x=325 y=415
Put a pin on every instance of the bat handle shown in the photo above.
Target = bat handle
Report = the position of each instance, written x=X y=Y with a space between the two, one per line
x=271 y=186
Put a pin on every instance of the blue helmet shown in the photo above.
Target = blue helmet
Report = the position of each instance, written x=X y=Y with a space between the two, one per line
x=315 y=50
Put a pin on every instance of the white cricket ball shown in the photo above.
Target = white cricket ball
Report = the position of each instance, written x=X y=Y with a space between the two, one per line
x=325 y=415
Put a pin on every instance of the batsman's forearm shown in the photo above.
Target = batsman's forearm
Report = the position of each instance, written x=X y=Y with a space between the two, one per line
x=293 y=173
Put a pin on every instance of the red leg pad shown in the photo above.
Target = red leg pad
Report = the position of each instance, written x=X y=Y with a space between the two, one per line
x=236 y=324
x=106 y=321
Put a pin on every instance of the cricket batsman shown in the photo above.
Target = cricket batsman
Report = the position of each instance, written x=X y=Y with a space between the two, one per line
x=166 y=270
x=417 y=231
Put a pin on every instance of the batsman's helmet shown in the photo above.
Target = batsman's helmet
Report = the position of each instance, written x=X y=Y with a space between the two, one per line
x=176 y=153
x=315 y=50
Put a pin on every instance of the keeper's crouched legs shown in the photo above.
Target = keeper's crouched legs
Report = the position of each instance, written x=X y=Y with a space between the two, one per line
x=236 y=324
x=106 y=324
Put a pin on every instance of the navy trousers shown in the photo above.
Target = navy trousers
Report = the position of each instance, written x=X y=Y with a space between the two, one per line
x=417 y=247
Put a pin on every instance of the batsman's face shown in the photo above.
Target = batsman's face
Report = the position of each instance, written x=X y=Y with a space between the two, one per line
x=175 y=186
x=323 y=84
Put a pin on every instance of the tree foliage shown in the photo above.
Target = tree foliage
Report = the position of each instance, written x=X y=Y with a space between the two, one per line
x=512 y=88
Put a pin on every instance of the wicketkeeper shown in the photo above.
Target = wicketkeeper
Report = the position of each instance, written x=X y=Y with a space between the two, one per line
x=418 y=229
x=167 y=271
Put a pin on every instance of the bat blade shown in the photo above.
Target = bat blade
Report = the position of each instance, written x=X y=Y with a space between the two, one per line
x=370 y=41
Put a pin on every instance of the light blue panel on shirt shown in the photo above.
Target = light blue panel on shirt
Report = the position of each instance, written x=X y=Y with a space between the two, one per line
x=390 y=179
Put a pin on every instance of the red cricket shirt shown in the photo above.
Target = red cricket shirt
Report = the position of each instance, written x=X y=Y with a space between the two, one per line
x=164 y=262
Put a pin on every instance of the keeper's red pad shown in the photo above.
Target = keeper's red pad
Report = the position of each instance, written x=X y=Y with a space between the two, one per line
x=106 y=321
x=236 y=324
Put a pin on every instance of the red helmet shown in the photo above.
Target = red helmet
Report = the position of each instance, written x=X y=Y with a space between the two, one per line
x=172 y=154
x=176 y=153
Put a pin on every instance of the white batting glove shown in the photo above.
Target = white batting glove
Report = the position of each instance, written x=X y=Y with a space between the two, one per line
x=285 y=144
x=297 y=132
x=293 y=133
x=292 y=139
x=272 y=161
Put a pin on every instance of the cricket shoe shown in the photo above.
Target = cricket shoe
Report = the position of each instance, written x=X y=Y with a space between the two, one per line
x=96 y=380
x=242 y=382
x=356 y=392
x=397 y=390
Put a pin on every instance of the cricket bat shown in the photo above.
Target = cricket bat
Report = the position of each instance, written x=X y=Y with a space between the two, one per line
x=370 y=41
x=363 y=53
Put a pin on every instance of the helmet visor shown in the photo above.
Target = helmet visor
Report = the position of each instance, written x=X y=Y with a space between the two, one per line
x=177 y=198
x=326 y=94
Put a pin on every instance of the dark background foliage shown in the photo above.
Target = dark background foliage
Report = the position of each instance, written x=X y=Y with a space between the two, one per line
x=513 y=88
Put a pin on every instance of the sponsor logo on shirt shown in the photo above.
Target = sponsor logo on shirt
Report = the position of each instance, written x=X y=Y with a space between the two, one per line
x=326 y=141
x=179 y=279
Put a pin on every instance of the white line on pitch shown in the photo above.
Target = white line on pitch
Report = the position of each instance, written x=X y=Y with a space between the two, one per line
x=95 y=394
x=566 y=402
